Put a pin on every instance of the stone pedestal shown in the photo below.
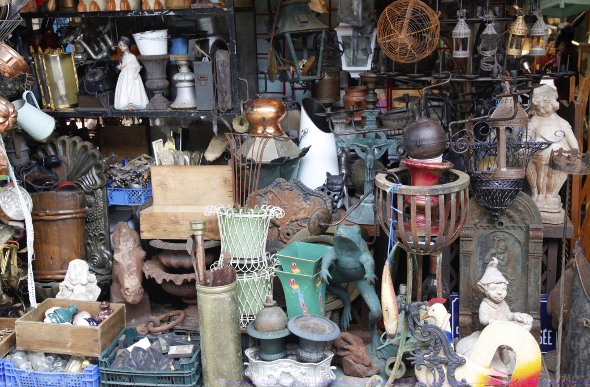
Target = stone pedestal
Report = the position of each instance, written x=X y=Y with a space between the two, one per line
x=516 y=239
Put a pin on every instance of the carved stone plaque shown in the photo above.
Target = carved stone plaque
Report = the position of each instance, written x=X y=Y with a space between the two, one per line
x=516 y=239
x=297 y=200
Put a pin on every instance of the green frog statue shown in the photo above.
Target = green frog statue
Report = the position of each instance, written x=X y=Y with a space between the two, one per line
x=352 y=262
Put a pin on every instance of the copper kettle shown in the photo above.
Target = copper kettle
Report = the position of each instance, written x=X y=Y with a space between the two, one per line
x=266 y=115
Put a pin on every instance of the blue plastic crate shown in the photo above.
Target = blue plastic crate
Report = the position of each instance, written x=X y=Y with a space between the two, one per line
x=128 y=196
x=90 y=377
x=188 y=375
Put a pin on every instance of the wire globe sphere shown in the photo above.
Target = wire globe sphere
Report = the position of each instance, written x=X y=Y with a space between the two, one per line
x=408 y=30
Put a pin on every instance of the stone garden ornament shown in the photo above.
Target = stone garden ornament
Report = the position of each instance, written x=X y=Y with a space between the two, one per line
x=492 y=309
x=79 y=284
x=546 y=182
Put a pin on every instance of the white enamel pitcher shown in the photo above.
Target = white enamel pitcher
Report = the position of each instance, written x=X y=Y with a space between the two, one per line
x=38 y=124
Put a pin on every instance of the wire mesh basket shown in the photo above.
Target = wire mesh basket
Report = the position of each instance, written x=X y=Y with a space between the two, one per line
x=243 y=234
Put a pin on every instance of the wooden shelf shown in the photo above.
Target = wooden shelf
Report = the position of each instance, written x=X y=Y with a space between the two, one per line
x=90 y=113
x=136 y=13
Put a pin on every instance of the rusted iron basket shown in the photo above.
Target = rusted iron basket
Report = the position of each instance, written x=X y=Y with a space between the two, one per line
x=398 y=204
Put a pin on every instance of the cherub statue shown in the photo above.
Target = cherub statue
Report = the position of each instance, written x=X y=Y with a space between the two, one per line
x=546 y=182
x=494 y=308
x=352 y=262
x=79 y=283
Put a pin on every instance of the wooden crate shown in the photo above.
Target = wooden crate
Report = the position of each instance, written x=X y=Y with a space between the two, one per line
x=181 y=194
x=32 y=334
x=9 y=341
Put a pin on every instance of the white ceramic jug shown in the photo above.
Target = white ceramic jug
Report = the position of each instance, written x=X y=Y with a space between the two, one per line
x=38 y=124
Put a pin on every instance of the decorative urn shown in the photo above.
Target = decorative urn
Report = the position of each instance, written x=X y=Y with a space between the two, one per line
x=270 y=327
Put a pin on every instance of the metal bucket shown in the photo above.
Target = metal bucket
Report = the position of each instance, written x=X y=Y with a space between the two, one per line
x=221 y=349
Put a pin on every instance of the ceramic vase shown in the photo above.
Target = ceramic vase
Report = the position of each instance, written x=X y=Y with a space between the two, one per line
x=354 y=99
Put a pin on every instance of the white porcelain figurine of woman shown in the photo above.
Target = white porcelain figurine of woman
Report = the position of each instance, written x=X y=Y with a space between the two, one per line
x=130 y=93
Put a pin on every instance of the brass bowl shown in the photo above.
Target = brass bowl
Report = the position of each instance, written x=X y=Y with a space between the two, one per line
x=11 y=63
x=266 y=115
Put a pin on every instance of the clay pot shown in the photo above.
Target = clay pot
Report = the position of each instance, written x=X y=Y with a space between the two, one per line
x=355 y=97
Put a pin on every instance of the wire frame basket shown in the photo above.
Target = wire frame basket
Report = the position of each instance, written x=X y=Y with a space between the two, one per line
x=398 y=204
x=252 y=291
x=243 y=234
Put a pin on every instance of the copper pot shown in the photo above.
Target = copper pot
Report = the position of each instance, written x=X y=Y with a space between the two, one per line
x=11 y=63
x=266 y=115
x=355 y=97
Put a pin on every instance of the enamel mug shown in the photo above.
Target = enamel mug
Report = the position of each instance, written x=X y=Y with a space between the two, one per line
x=32 y=120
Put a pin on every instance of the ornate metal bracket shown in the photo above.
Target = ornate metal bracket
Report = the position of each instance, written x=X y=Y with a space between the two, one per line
x=88 y=170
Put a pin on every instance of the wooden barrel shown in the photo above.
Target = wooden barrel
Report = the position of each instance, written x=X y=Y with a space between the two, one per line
x=59 y=218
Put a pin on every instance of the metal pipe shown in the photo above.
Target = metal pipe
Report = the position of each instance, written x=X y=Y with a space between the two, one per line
x=89 y=50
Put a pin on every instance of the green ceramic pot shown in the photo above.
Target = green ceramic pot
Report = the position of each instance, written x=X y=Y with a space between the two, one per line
x=304 y=294
x=302 y=258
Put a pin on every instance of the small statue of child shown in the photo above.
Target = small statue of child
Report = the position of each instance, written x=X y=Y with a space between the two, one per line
x=493 y=307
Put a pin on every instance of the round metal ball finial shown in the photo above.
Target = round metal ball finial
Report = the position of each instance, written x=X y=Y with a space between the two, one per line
x=424 y=139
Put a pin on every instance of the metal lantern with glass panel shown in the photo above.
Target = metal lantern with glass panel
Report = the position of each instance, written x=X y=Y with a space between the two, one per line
x=538 y=34
x=517 y=34
x=304 y=35
x=461 y=37
x=356 y=34
x=488 y=46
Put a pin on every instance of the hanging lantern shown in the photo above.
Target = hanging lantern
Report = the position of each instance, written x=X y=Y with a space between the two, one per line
x=538 y=34
x=517 y=34
x=357 y=51
x=461 y=37
x=298 y=25
x=357 y=35
x=489 y=38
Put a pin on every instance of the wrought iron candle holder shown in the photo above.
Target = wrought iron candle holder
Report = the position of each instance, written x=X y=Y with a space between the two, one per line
x=497 y=160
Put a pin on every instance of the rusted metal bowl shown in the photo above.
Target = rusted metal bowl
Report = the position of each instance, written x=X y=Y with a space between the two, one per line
x=442 y=225
x=11 y=63
x=266 y=115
